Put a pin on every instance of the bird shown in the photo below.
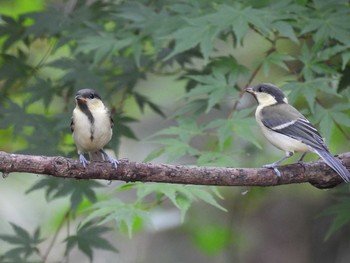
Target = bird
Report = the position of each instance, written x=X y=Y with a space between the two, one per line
x=91 y=127
x=287 y=129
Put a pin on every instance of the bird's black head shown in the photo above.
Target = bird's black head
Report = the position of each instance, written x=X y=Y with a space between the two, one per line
x=84 y=95
x=267 y=94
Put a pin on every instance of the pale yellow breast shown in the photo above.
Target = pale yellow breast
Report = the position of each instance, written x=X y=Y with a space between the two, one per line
x=279 y=140
x=91 y=138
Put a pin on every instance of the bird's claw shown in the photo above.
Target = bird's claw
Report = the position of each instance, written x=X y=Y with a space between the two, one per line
x=114 y=162
x=274 y=167
x=277 y=171
x=301 y=162
x=83 y=160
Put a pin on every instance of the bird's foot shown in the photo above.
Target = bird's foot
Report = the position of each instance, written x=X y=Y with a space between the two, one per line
x=274 y=167
x=114 y=162
x=83 y=160
x=301 y=162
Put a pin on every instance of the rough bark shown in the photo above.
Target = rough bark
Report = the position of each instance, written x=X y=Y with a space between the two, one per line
x=317 y=173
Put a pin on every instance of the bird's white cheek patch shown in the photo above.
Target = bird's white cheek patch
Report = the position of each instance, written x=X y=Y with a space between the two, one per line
x=96 y=105
x=265 y=99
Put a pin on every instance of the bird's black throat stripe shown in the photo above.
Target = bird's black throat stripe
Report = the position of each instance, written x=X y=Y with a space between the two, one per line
x=84 y=108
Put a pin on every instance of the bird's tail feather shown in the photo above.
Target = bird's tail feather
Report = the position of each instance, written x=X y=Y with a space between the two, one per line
x=335 y=164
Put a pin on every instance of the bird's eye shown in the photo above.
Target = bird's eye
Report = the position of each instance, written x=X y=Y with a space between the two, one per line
x=260 y=89
x=91 y=96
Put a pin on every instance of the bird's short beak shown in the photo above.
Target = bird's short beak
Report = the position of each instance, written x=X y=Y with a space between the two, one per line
x=80 y=98
x=250 y=90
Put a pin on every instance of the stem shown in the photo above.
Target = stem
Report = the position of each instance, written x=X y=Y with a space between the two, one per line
x=66 y=216
x=292 y=70
x=47 y=53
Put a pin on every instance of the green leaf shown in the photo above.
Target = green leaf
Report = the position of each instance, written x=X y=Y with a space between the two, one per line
x=125 y=215
x=340 y=118
x=104 y=45
x=24 y=244
x=239 y=18
x=154 y=154
x=206 y=196
x=78 y=72
x=181 y=196
x=309 y=90
x=178 y=147
x=174 y=151
x=195 y=107
x=224 y=130
x=142 y=100
x=219 y=159
x=277 y=59
x=14 y=69
x=192 y=35
x=341 y=213
x=49 y=23
x=20 y=232
x=87 y=238
x=128 y=186
x=74 y=189
x=345 y=59
x=328 y=53
x=329 y=25
x=285 y=29
x=326 y=123
x=315 y=61
x=214 y=86
x=207 y=43
x=41 y=90
x=12 y=30
x=211 y=239
x=183 y=203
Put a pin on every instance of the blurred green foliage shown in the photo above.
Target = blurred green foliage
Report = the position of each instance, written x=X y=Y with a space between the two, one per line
x=51 y=50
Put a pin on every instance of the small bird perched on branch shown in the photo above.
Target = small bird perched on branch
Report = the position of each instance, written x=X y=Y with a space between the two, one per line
x=91 y=127
x=287 y=129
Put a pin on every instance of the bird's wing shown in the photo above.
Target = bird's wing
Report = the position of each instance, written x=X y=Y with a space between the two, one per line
x=295 y=125
x=72 y=125
x=111 y=119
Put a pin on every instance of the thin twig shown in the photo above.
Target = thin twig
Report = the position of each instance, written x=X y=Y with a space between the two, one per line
x=66 y=215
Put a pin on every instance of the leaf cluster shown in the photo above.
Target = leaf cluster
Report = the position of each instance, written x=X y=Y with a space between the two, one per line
x=24 y=245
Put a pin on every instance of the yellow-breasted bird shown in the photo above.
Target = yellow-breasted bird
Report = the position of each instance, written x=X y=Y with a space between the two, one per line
x=91 y=127
x=287 y=129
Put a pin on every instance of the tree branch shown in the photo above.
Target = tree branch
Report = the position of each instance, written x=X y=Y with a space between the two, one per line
x=317 y=173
